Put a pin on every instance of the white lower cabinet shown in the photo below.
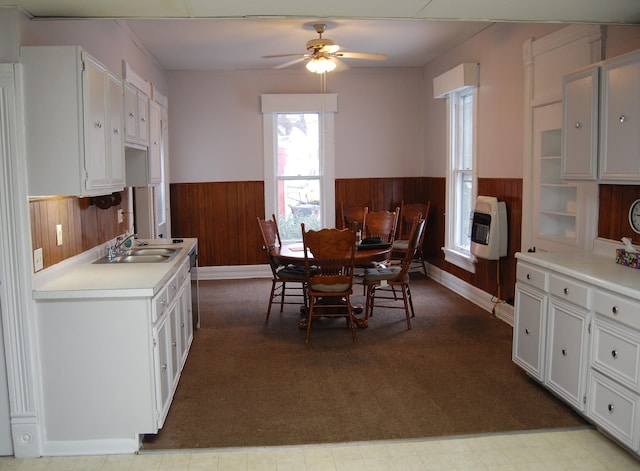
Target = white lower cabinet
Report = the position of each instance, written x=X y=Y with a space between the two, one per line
x=566 y=350
x=110 y=366
x=582 y=341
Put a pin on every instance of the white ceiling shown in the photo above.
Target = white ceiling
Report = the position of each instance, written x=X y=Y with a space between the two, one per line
x=236 y=34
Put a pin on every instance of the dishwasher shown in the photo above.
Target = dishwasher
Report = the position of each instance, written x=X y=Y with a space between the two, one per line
x=193 y=272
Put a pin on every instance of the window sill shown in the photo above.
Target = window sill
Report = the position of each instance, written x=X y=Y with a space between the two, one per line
x=463 y=260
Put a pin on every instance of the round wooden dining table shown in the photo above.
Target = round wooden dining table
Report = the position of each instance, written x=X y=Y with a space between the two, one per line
x=293 y=254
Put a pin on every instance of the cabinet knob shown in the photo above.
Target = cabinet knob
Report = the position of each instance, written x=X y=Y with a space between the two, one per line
x=98 y=124
x=622 y=118
x=578 y=124
x=614 y=309
x=610 y=408
x=528 y=276
x=143 y=119
x=116 y=131
x=131 y=115
x=174 y=344
x=564 y=352
x=526 y=331
x=565 y=291
x=164 y=367
x=614 y=354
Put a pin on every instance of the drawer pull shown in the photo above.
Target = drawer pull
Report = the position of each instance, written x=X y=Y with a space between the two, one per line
x=164 y=367
x=528 y=276
x=565 y=291
x=622 y=118
x=610 y=408
x=614 y=353
x=578 y=124
x=174 y=344
x=526 y=331
x=564 y=352
x=614 y=309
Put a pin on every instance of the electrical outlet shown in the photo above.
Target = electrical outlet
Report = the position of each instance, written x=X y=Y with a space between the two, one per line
x=59 y=234
x=120 y=216
x=38 y=264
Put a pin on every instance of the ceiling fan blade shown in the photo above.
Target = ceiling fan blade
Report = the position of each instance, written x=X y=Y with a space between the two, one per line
x=284 y=55
x=361 y=55
x=295 y=61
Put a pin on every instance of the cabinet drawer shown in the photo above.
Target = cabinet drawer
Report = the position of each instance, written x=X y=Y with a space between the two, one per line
x=532 y=276
x=160 y=303
x=571 y=290
x=615 y=409
x=618 y=308
x=616 y=353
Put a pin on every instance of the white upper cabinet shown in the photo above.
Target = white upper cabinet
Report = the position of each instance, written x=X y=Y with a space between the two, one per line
x=580 y=125
x=155 y=143
x=116 y=130
x=620 y=119
x=136 y=105
x=68 y=123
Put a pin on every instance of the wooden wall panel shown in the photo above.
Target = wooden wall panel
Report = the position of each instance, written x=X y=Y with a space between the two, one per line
x=222 y=215
x=84 y=225
x=613 y=216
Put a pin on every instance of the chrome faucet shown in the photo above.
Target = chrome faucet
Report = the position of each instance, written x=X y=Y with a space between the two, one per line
x=118 y=247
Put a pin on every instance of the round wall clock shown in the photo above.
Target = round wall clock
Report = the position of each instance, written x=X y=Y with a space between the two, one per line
x=634 y=216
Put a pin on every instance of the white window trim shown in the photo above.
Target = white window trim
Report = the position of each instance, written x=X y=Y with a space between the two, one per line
x=461 y=258
x=327 y=106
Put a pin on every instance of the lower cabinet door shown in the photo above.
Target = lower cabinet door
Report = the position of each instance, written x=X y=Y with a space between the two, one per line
x=162 y=359
x=567 y=354
x=615 y=409
x=529 y=330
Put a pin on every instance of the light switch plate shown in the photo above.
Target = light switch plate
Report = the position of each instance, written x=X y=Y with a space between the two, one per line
x=38 y=264
x=59 y=234
x=120 y=216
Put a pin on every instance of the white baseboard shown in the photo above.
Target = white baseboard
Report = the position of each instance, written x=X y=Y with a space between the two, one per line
x=502 y=310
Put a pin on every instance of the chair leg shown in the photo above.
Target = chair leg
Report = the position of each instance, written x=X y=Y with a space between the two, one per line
x=350 y=320
x=273 y=290
x=309 y=317
x=413 y=313
x=282 y=293
x=369 y=300
x=405 y=289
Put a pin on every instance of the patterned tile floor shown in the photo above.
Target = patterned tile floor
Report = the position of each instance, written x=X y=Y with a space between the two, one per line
x=583 y=449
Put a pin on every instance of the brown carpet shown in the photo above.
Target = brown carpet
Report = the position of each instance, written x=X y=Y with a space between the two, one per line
x=250 y=384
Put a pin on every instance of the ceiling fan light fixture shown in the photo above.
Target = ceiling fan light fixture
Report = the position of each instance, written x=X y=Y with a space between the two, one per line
x=320 y=65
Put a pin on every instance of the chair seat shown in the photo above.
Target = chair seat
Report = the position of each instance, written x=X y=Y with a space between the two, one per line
x=400 y=244
x=337 y=288
x=382 y=273
x=293 y=272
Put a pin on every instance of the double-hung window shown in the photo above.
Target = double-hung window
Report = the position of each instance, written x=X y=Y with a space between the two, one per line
x=461 y=181
x=298 y=157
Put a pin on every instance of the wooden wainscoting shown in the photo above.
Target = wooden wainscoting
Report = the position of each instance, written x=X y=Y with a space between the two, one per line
x=222 y=215
x=613 y=216
x=84 y=225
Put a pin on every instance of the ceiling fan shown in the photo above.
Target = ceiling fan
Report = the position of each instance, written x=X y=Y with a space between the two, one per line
x=324 y=55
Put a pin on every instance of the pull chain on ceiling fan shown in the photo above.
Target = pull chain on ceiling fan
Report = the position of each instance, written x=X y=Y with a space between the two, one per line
x=324 y=55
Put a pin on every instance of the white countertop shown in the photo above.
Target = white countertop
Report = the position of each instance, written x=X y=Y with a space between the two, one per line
x=598 y=269
x=81 y=278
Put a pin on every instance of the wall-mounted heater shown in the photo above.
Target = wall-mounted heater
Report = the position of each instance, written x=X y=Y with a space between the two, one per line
x=489 y=228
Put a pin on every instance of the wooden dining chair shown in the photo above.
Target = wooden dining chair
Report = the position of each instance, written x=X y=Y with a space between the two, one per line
x=281 y=275
x=332 y=252
x=408 y=213
x=381 y=224
x=385 y=280
x=352 y=216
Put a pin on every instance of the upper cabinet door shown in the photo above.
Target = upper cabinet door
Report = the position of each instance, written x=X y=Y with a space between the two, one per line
x=580 y=125
x=96 y=162
x=620 y=115
x=116 y=130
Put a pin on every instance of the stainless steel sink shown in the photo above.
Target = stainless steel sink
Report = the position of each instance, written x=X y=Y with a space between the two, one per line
x=140 y=251
x=142 y=255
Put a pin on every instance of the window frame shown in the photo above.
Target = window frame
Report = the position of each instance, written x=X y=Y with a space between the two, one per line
x=454 y=252
x=326 y=107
